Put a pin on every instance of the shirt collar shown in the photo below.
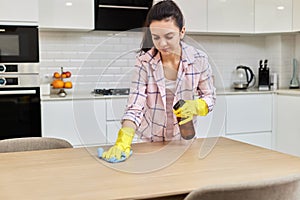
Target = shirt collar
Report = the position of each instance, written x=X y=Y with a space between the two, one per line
x=187 y=55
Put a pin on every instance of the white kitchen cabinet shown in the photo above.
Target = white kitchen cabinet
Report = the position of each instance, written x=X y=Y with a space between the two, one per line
x=213 y=124
x=81 y=122
x=195 y=14
x=288 y=124
x=115 y=108
x=114 y=111
x=273 y=16
x=69 y=15
x=262 y=139
x=249 y=118
x=231 y=16
x=19 y=12
x=296 y=15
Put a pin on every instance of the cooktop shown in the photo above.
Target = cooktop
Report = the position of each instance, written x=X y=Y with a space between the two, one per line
x=115 y=91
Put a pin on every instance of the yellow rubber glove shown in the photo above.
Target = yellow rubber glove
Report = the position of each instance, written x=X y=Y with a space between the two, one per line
x=123 y=144
x=191 y=108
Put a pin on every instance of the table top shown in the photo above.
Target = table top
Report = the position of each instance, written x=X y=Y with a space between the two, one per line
x=154 y=170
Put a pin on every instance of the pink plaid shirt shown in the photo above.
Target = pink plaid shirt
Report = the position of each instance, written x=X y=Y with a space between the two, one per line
x=147 y=100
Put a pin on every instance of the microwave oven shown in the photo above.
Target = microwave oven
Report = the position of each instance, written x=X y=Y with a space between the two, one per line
x=116 y=15
x=19 y=44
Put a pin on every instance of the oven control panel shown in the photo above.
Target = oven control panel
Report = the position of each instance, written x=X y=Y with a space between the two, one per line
x=8 y=68
x=8 y=81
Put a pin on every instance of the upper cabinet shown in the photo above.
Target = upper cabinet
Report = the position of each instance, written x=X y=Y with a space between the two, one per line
x=296 y=15
x=231 y=16
x=19 y=12
x=273 y=16
x=195 y=14
x=68 y=15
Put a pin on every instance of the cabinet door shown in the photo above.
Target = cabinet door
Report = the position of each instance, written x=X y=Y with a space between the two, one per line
x=249 y=119
x=249 y=113
x=263 y=139
x=195 y=14
x=72 y=14
x=288 y=124
x=213 y=125
x=81 y=122
x=19 y=11
x=233 y=16
x=296 y=15
x=114 y=111
x=273 y=16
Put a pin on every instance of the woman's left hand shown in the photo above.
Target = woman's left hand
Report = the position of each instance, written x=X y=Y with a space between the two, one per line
x=191 y=108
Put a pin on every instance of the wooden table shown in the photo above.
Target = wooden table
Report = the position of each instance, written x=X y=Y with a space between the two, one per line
x=78 y=173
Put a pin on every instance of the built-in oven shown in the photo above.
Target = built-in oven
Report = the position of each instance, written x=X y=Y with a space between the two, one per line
x=19 y=44
x=20 y=107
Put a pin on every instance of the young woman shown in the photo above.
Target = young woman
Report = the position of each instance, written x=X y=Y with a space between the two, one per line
x=166 y=71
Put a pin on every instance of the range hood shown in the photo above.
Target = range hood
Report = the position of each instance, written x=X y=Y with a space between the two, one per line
x=121 y=15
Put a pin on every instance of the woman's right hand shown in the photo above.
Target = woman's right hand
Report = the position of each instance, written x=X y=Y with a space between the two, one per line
x=122 y=148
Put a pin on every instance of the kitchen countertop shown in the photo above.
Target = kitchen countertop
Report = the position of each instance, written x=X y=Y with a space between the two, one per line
x=84 y=95
x=77 y=173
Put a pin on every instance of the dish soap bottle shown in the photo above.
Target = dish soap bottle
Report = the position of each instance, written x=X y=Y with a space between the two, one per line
x=187 y=130
x=294 y=84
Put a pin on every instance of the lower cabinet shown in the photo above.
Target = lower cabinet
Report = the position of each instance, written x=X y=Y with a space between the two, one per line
x=81 y=122
x=263 y=139
x=213 y=124
x=115 y=108
x=249 y=119
x=288 y=124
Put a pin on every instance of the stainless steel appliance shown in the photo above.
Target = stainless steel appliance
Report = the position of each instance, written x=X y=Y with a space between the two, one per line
x=19 y=44
x=294 y=83
x=19 y=101
x=244 y=78
x=115 y=15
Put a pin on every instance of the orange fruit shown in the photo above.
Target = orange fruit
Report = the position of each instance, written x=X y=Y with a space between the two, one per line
x=68 y=84
x=56 y=75
x=58 y=84
x=64 y=75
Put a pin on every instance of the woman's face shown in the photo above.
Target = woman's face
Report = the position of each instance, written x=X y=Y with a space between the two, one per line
x=166 y=36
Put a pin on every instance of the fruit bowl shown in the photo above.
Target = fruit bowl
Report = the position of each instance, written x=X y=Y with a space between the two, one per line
x=59 y=82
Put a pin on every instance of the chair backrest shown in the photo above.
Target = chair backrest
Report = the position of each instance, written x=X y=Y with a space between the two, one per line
x=284 y=188
x=32 y=143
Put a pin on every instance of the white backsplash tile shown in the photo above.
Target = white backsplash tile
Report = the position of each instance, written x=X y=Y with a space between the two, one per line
x=105 y=59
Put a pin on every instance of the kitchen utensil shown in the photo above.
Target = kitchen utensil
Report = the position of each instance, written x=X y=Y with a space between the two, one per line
x=294 y=84
x=244 y=77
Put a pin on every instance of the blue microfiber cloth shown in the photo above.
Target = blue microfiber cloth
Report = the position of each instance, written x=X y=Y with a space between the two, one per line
x=112 y=159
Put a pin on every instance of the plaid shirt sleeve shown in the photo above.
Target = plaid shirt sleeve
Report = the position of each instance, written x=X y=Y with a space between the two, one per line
x=137 y=97
x=206 y=89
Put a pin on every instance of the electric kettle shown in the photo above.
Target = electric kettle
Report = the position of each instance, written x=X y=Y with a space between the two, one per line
x=244 y=77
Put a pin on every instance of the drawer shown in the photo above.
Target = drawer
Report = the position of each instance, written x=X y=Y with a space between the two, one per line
x=249 y=113
x=115 y=108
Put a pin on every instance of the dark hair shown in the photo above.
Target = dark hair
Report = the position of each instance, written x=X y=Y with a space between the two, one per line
x=162 y=10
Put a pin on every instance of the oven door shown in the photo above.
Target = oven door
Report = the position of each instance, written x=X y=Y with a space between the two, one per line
x=19 y=44
x=20 y=112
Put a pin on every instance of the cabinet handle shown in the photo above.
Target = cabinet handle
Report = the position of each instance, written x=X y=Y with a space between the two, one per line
x=2 y=30
x=18 y=92
x=123 y=7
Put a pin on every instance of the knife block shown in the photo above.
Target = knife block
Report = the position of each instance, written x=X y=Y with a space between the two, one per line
x=264 y=79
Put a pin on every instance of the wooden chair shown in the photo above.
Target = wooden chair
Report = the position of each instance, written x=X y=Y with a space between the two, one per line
x=32 y=144
x=286 y=188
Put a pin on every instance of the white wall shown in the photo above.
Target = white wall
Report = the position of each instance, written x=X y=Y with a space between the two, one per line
x=104 y=59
